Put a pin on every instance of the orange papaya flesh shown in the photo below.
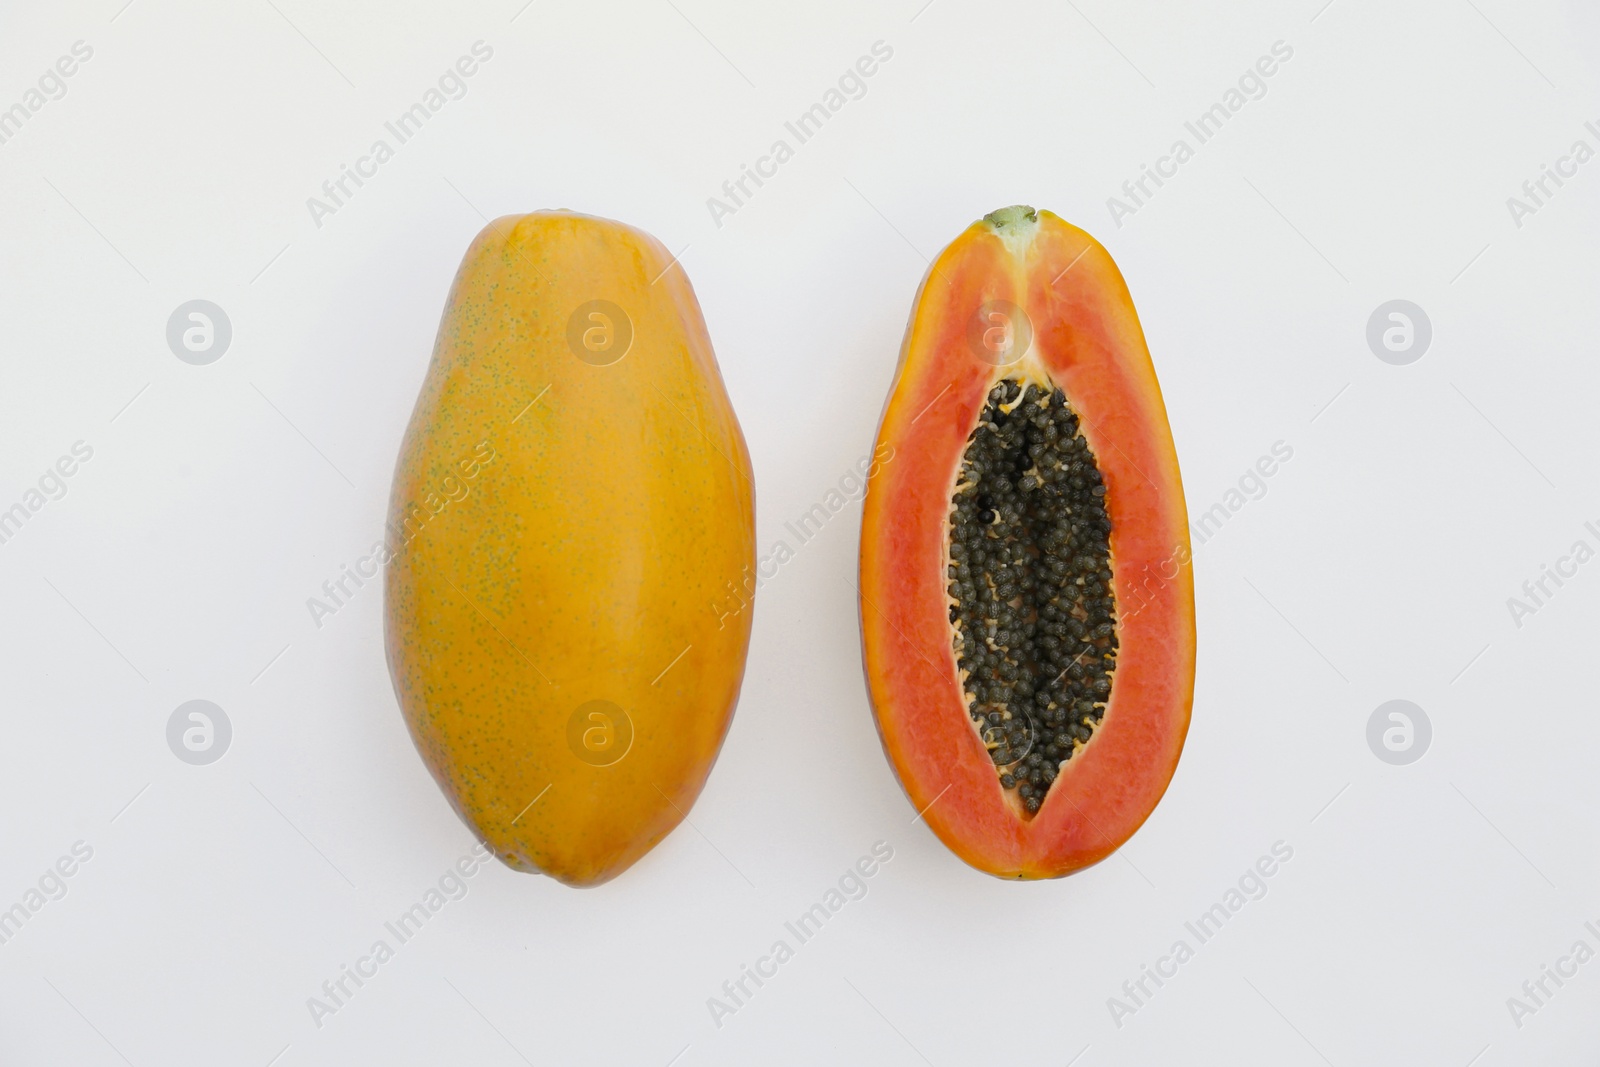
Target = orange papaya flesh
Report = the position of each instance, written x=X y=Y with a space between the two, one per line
x=572 y=500
x=1036 y=751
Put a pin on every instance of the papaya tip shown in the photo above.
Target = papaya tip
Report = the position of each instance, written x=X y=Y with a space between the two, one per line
x=1010 y=220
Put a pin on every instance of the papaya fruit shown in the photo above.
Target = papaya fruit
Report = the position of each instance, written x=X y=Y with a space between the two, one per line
x=572 y=499
x=1026 y=591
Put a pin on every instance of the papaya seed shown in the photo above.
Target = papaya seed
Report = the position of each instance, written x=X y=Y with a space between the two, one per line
x=1030 y=555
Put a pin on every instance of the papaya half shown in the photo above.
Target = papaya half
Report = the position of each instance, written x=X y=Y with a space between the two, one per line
x=572 y=499
x=1027 y=601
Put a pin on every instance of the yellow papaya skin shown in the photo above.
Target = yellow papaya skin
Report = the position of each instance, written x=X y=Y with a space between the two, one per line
x=572 y=514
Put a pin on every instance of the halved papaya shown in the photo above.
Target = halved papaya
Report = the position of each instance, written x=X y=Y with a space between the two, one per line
x=1027 y=602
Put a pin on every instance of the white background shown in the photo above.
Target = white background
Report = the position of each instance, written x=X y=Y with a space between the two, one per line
x=1377 y=566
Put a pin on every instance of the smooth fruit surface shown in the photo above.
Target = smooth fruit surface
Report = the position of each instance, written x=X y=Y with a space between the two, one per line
x=572 y=502
x=1024 y=296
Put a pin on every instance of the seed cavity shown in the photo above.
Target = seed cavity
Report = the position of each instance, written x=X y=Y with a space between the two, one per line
x=1029 y=570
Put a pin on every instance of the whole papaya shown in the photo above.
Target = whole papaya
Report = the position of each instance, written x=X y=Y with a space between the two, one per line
x=572 y=538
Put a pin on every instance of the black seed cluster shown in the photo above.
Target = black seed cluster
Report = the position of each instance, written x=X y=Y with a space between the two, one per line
x=1030 y=581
